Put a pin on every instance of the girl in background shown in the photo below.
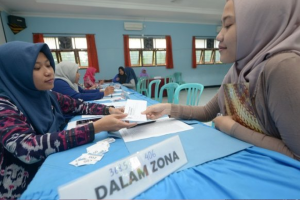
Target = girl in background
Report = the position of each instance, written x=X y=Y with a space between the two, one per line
x=89 y=81
x=121 y=77
x=144 y=73
x=66 y=82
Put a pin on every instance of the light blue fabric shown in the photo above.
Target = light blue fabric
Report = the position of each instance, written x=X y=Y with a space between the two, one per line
x=17 y=61
x=253 y=173
x=201 y=144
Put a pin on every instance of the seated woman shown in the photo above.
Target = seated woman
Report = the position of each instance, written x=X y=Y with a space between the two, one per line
x=66 y=82
x=31 y=115
x=89 y=80
x=131 y=80
x=121 y=77
x=144 y=73
x=259 y=99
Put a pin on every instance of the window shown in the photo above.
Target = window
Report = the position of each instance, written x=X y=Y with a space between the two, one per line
x=207 y=51
x=147 y=51
x=73 y=49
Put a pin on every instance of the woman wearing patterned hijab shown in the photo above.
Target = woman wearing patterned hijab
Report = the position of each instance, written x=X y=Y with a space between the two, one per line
x=260 y=95
x=31 y=115
x=66 y=82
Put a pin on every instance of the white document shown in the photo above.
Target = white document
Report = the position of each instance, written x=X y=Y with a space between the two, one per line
x=134 y=108
x=161 y=127
x=117 y=98
x=91 y=116
x=116 y=104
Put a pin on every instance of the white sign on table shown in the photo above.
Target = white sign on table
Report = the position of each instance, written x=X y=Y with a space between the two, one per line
x=130 y=176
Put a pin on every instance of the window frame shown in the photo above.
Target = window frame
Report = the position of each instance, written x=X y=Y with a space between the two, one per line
x=142 y=50
x=75 y=50
x=200 y=57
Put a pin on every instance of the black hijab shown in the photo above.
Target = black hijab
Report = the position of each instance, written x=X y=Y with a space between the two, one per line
x=122 y=78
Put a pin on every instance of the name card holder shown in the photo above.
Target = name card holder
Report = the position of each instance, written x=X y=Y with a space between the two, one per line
x=126 y=178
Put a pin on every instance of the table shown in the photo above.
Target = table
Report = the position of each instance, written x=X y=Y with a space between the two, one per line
x=252 y=173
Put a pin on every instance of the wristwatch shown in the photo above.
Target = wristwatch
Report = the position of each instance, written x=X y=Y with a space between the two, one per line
x=106 y=109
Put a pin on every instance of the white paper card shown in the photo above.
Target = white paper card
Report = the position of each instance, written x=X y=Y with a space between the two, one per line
x=130 y=176
x=134 y=108
x=161 y=127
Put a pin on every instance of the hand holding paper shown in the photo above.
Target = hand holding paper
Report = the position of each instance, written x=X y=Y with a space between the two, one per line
x=134 y=108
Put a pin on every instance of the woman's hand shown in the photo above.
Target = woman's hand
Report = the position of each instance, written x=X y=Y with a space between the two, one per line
x=224 y=123
x=116 y=110
x=158 y=110
x=93 y=87
x=112 y=123
x=117 y=78
x=100 y=82
x=109 y=90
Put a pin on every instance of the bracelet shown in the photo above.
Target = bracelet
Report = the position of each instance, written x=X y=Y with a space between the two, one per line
x=106 y=109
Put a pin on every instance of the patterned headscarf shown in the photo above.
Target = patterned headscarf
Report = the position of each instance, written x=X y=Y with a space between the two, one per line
x=264 y=28
x=17 y=61
x=90 y=73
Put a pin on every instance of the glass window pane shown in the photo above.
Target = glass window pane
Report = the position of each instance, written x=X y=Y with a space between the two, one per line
x=217 y=44
x=83 y=56
x=200 y=43
x=80 y=43
x=198 y=58
x=161 y=57
x=54 y=57
x=135 y=58
x=160 y=44
x=50 y=41
x=208 y=57
x=147 y=57
x=218 y=57
x=136 y=43
x=68 y=56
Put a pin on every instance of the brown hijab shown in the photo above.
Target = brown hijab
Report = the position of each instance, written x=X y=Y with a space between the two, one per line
x=264 y=28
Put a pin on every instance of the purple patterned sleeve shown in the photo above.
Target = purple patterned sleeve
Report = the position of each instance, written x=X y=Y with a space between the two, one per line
x=77 y=107
x=20 y=139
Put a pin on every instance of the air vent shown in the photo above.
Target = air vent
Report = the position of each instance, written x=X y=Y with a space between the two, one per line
x=133 y=26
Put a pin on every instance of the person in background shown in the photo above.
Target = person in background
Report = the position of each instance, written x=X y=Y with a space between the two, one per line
x=259 y=99
x=31 y=115
x=89 y=81
x=131 y=79
x=144 y=73
x=66 y=82
x=121 y=76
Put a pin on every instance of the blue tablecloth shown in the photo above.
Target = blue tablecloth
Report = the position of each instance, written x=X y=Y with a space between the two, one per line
x=251 y=173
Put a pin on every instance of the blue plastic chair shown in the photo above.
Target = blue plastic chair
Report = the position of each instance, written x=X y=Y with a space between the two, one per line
x=194 y=91
x=141 y=86
x=178 y=78
x=156 y=82
x=170 y=87
x=169 y=79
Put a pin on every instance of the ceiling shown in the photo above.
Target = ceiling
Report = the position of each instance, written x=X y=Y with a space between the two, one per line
x=182 y=11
